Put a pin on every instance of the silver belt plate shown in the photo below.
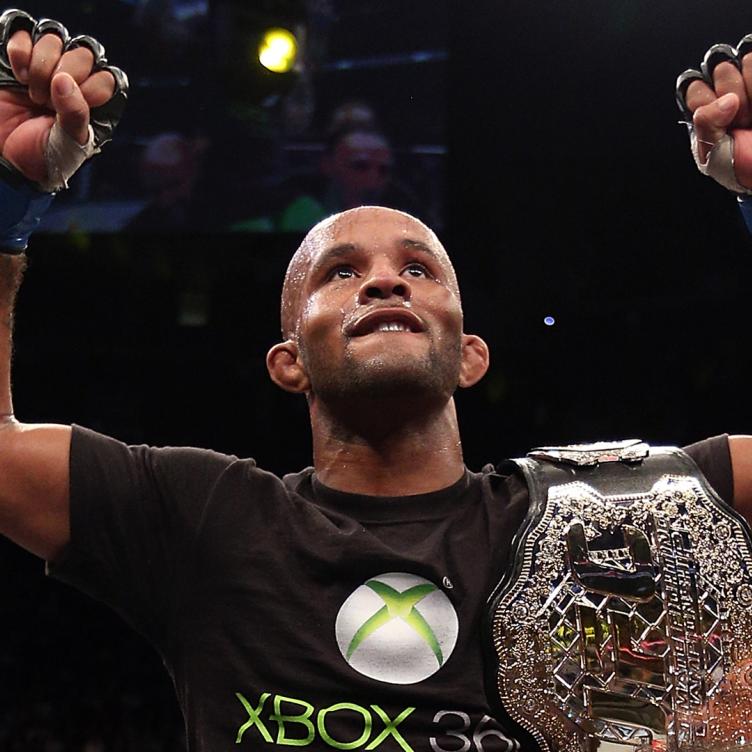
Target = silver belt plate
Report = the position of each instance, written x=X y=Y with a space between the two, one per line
x=628 y=624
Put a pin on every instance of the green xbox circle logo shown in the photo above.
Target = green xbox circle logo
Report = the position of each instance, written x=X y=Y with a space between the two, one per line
x=397 y=628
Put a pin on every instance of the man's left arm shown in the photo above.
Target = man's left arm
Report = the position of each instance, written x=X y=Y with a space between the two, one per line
x=717 y=104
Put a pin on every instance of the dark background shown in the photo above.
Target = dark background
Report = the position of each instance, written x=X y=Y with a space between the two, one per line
x=570 y=192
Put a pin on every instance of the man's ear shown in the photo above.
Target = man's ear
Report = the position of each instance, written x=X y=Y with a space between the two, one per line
x=285 y=368
x=475 y=360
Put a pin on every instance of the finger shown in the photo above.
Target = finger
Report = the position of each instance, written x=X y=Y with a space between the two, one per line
x=71 y=107
x=711 y=122
x=77 y=63
x=99 y=88
x=698 y=95
x=727 y=79
x=17 y=101
x=747 y=74
x=23 y=147
x=19 y=54
x=44 y=59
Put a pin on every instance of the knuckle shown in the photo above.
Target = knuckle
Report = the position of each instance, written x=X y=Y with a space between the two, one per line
x=697 y=101
x=85 y=55
x=80 y=54
x=726 y=68
x=702 y=117
x=19 y=42
x=108 y=82
x=104 y=82
x=78 y=62
x=50 y=41
x=97 y=91
x=696 y=90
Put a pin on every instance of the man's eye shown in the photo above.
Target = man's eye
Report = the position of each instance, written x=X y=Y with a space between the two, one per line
x=417 y=270
x=342 y=272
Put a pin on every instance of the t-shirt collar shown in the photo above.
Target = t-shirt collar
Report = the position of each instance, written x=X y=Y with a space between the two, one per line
x=392 y=508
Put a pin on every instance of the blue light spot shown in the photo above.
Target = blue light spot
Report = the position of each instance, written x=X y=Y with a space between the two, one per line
x=549 y=321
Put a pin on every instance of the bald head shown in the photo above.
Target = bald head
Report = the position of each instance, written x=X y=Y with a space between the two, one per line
x=332 y=231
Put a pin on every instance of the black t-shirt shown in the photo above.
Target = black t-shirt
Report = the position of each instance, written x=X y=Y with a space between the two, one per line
x=290 y=614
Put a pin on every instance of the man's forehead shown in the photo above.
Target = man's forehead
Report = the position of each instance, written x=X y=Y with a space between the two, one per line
x=369 y=228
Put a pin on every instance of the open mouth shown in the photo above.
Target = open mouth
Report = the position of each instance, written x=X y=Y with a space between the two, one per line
x=391 y=326
x=387 y=320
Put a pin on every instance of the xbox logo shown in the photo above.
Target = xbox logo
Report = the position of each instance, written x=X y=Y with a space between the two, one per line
x=397 y=628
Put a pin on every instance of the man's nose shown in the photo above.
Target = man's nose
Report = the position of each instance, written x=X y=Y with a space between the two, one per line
x=385 y=285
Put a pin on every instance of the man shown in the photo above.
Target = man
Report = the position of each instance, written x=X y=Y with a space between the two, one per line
x=355 y=170
x=339 y=607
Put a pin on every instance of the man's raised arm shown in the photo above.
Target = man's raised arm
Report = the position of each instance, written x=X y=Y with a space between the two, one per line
x=716 y=101
x=59 y=101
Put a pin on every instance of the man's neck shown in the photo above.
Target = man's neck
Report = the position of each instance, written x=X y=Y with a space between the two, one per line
x=392 y=455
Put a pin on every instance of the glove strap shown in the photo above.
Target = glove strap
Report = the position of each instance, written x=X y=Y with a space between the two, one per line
x=21 y=209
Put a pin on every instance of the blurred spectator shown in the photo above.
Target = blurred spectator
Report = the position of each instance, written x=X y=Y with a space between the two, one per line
x=356 y=169
x=251 y=159
x=351 y=115
x=169 y=167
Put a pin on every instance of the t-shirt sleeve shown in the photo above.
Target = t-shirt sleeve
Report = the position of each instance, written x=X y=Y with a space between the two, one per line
x=134 y=514
x=714 y=460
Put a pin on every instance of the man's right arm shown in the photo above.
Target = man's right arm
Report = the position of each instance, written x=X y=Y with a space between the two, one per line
x=59 y=101
x=33 y=458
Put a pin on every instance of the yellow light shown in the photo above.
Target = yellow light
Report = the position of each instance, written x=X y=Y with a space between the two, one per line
x=278 y=50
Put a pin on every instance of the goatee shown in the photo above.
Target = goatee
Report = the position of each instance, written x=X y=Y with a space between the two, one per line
x=386 y=377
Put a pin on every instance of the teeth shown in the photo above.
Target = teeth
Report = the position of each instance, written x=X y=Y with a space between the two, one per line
x=392 y=326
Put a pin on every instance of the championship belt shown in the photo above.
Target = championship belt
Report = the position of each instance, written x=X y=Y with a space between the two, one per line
x=625 y=622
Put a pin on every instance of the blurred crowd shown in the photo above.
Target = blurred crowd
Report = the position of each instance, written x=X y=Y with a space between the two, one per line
x=214 y=142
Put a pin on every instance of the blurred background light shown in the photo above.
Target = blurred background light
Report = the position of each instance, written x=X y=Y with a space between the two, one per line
x=278 y=50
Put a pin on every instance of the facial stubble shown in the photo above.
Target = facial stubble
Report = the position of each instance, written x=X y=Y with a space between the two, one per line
x=430 y=377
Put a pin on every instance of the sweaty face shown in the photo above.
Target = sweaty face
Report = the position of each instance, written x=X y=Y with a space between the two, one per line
x=378 y=311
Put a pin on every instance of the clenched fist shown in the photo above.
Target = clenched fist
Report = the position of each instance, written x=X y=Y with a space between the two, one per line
x=717 y=103
x=59 y=99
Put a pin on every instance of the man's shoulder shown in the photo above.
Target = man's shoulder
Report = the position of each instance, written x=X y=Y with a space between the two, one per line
x=299 y=482
x=713 y=457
